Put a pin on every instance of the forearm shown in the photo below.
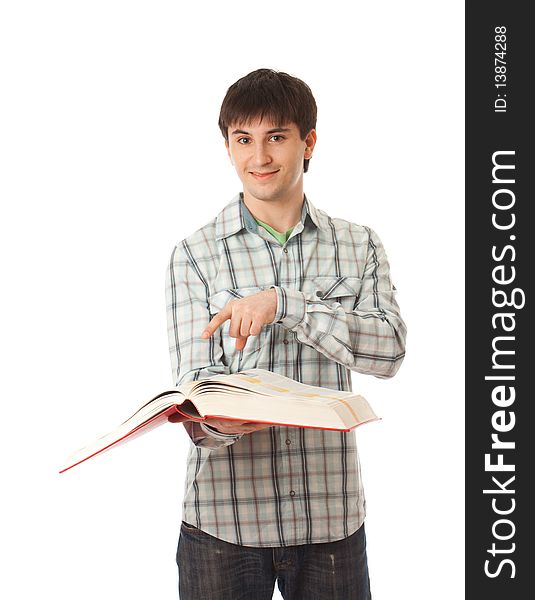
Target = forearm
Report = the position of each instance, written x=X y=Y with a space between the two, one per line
x=355 y=321
x=365 y=341
x=192 y=358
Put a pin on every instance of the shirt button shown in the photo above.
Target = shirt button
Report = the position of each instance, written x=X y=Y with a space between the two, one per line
x=285 y=342
x=285 y=250
x=319 y=293
x=288 y=442
x=292 y=493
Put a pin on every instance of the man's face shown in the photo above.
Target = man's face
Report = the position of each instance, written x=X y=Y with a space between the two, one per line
x=269 y=157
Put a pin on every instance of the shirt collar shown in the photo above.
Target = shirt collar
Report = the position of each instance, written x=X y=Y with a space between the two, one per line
x=236 y=216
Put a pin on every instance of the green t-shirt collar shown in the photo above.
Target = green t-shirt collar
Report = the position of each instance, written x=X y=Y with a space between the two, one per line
x=282 y=238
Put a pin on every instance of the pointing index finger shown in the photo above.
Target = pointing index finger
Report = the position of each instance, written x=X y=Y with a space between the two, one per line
x=218 y=320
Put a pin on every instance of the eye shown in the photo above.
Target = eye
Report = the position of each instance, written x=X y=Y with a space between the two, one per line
x=240 y=140
x=280 y=137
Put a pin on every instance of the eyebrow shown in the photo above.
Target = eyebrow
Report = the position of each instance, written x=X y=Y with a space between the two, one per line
x=276 y=130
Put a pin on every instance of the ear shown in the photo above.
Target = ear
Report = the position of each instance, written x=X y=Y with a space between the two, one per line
x=310 y=142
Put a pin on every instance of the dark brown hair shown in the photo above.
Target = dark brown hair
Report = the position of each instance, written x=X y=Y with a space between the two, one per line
x=270 y=94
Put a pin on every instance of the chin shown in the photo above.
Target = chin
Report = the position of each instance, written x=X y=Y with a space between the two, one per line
x=264 y=194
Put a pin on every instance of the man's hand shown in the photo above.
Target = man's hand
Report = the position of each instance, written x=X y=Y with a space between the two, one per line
x=223 y=425
x=227 y=426
x=247 y=316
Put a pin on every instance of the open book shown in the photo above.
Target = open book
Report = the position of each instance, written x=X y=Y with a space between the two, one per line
x=254 y=395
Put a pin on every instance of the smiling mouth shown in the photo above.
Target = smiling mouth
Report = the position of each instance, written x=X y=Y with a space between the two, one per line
x=263 y=175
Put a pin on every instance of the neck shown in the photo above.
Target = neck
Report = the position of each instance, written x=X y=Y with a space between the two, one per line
x=281 y=214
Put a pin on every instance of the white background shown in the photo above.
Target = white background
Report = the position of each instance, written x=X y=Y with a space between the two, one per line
x=110 y=154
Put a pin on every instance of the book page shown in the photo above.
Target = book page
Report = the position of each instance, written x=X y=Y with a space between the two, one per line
x=262 y=396
x=261 y=381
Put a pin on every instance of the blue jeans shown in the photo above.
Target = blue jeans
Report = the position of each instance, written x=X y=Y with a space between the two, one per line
x=212 y=569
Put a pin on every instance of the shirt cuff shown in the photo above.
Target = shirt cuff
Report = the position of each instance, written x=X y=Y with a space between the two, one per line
x=218 y=435
x=291 y=307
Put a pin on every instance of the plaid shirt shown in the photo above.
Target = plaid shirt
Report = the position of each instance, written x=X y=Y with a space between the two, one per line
x=336 y=313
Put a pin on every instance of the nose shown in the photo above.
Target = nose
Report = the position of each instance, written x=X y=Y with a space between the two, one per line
x=261 y=155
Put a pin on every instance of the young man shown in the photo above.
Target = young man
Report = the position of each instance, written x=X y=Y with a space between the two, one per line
x=275 y=283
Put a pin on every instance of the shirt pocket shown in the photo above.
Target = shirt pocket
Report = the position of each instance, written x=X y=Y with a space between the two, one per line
x=246 y=358
x=344 y=289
